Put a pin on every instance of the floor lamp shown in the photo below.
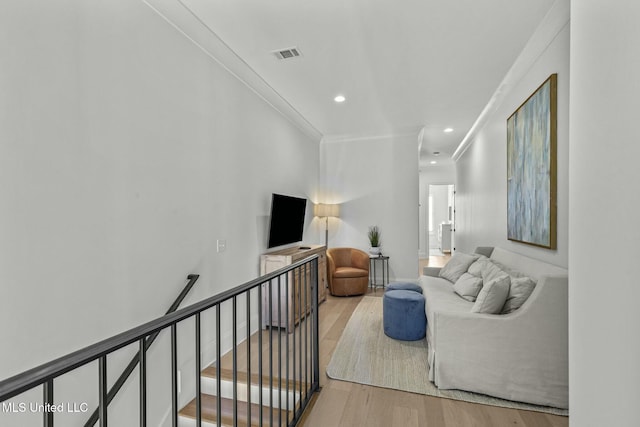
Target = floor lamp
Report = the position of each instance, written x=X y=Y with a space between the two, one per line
x=325 y=211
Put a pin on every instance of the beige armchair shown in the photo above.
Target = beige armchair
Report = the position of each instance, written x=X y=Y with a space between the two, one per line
x=348 y=271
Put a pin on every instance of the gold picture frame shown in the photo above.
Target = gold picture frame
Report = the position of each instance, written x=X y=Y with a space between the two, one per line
x=532 y=168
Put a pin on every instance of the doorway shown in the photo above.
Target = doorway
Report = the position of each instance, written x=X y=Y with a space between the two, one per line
x=440 y=228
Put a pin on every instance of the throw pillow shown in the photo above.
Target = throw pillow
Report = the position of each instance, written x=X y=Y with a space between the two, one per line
x=468 y=286
x=508 y=270
x=492 y=296
x=491 y=271
x=457 y=266
x=477 y=267
x=520 y=290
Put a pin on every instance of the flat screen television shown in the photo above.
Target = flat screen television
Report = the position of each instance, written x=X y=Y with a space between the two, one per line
x=287 y=220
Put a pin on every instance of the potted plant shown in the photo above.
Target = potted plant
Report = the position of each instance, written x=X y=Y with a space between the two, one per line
x=374 y=240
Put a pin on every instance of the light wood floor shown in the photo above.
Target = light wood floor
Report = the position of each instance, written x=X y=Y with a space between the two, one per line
x=433 y=261
x=342 y=403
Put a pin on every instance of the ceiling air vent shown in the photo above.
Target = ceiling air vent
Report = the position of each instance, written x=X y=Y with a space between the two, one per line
x=288 y=53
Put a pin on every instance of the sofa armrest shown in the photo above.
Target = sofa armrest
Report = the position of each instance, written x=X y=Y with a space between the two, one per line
x=484 y=250
x=431 y=271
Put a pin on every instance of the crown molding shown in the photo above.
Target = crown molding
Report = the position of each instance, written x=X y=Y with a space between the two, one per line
x=411 y=132
x=187 y=23
x=551 y=25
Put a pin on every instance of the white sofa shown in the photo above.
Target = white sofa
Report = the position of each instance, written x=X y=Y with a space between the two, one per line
x=520 y=356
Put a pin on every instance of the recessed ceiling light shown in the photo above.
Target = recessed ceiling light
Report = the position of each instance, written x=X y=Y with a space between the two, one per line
x=448 y=130
x=433 y=162
x=339 y=98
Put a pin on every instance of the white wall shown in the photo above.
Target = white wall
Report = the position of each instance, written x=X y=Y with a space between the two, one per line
x=429 y=175
x=125 y=152
x=376 y=182
x=604 y=320
x=481 y=201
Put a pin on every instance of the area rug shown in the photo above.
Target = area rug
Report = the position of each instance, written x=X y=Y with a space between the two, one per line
x=365 y=355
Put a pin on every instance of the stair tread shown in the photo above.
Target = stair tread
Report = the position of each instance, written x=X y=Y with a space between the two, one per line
x=209 y=408
x=227 y=374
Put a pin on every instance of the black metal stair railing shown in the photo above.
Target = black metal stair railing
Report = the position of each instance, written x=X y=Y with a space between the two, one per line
x=301 y=362
x=193 y=278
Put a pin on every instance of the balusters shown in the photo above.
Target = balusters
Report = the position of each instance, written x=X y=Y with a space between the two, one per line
x=218 y=379
x=248 y=346
x=142 y=356
x=234 y=356
x=102 y=390
x=198 y=372
x=47 y=398
x=174 y=376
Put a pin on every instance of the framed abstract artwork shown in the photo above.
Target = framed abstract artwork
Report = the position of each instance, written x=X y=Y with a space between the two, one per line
x=531 y=168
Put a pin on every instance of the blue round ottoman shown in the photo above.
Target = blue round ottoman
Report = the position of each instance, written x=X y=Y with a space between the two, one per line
x=404 y=286
x=403 y=315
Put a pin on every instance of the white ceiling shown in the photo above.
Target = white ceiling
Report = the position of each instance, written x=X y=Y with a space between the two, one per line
x=403 y=65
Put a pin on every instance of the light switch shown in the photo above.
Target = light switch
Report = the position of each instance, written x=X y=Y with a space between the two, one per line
x=221 y=245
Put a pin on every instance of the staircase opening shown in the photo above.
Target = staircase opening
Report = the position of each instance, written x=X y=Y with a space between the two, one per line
x=228 y=364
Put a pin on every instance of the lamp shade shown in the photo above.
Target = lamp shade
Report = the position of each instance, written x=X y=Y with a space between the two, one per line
x=323 y=210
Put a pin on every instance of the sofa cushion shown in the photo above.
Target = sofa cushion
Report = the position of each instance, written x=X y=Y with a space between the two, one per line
x=439 y=297
x=457 y=266
x=468 y=286
x=519 y=291
x=493 y=295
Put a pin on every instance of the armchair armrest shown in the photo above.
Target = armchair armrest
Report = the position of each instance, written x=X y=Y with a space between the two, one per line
x=331 y=269
x=360 y=259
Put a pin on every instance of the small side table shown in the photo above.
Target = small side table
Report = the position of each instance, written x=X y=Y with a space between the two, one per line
x=373 y=260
